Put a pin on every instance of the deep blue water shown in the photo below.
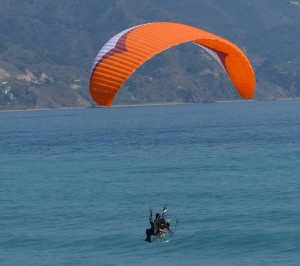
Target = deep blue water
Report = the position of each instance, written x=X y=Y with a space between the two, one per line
x=76 y=185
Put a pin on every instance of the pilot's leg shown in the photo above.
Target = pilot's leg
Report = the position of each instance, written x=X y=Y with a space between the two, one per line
x=148 y=234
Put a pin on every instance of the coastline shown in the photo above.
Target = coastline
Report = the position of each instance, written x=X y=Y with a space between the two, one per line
x=145 y=104
x=42 y=109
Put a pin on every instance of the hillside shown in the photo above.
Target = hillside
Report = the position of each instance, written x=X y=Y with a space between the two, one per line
x=47 y=48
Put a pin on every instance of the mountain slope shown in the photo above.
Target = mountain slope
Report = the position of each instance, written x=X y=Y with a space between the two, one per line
x=47 y=48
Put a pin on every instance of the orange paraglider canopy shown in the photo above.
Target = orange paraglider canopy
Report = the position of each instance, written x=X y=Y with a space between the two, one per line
x=129 y=49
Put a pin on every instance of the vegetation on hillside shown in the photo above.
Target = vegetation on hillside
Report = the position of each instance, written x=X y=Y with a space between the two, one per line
x=47 y=48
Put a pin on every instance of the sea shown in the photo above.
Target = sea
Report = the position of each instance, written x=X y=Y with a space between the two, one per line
x=76 y=185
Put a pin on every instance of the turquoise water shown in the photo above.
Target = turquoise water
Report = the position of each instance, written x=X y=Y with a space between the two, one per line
x=76 y=185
